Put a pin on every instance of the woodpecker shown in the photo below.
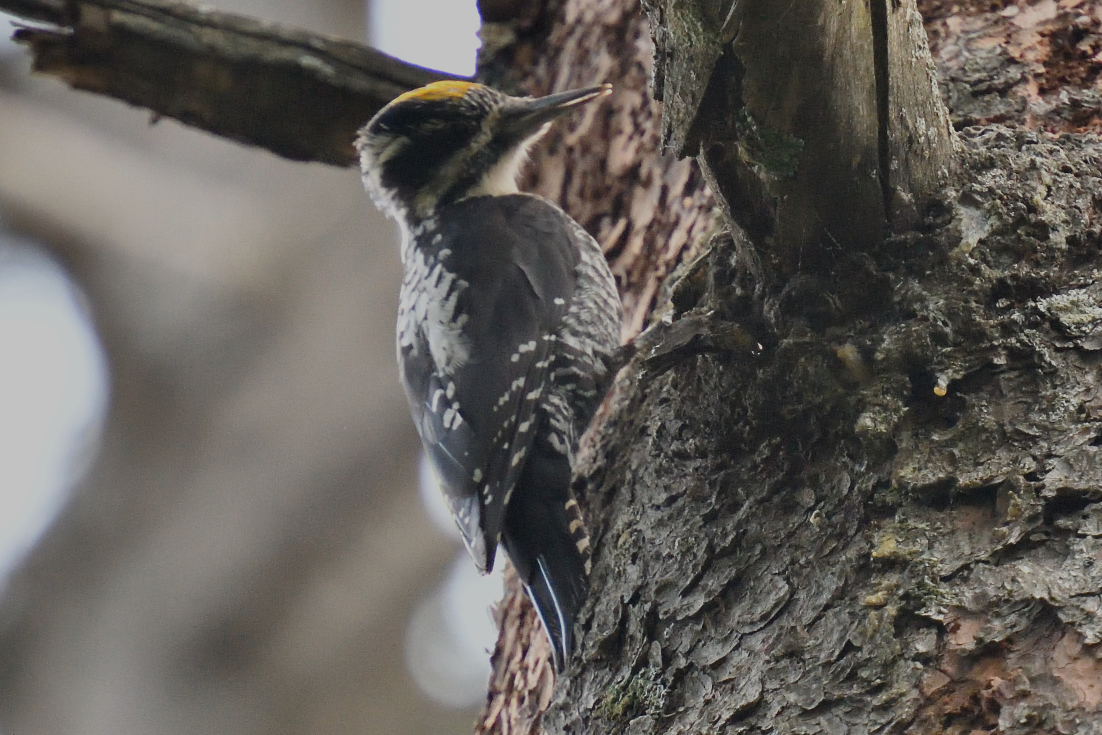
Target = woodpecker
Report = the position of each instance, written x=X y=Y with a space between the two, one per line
x=508 y=319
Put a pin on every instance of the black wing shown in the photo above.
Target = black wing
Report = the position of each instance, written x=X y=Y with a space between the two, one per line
x=499 y=273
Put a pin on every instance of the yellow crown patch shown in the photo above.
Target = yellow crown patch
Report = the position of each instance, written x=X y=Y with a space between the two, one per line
x=437 y=91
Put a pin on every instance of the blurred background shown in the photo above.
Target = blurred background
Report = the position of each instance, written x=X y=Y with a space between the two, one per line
x=213 y=513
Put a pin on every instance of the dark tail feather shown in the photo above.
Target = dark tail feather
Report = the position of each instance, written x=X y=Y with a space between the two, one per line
x=549 y=546
x=557 y=599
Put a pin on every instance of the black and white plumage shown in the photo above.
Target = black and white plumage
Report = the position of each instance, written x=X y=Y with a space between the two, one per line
x=508 y=316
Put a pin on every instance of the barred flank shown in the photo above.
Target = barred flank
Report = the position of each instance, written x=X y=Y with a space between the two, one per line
x=579 y=533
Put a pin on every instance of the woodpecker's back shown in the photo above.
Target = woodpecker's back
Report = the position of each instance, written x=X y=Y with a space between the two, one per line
x=508 y=316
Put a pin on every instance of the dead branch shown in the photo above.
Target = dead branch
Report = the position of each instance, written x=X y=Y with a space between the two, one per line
x=298 y=94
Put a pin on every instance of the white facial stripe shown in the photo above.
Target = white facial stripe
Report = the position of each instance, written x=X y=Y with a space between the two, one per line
x=502 y=178
x=457 y=165
x=389 y=150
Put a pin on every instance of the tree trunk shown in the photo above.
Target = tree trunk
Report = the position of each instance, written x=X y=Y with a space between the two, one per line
x=852 y=488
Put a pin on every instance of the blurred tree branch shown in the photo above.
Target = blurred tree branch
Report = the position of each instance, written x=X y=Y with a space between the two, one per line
x=298 y=94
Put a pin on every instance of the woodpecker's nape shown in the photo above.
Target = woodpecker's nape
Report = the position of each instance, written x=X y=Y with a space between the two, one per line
x=507 y=320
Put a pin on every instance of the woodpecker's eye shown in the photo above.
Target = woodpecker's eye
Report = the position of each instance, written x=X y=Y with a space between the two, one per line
x=430 y=134
x=415 y=118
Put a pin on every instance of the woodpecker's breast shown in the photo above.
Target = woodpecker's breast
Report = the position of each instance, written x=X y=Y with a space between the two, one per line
x=428 y=314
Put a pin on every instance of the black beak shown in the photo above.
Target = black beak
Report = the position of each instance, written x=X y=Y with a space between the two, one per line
x=530 y=114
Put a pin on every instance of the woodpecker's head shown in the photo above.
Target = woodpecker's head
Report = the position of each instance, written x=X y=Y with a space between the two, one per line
x=451 y=140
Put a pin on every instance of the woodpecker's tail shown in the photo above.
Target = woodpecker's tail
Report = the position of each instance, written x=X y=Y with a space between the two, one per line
x=548 y=544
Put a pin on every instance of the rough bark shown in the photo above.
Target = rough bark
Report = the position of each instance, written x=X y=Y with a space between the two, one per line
x=884 y=523
x=1036 y=64
x=878 y=511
